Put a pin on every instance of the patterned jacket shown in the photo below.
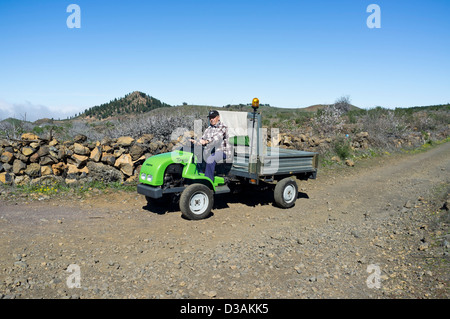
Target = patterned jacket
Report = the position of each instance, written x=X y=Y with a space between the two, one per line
x=217 y=137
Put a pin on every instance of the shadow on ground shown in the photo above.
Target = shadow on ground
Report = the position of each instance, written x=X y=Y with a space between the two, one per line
x=250 y=198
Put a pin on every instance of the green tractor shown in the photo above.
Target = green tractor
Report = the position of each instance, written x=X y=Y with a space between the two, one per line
x=178 y=173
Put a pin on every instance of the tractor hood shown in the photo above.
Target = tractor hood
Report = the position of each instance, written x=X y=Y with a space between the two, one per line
x=152 y=171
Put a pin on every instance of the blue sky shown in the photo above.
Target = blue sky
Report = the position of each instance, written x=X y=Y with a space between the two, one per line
x=286 y=53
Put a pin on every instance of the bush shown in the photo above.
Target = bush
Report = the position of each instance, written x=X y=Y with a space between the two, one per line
x=342 y=148
x=328 y=120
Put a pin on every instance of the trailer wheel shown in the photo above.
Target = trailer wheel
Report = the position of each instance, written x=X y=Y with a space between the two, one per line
x=286 y=192
x=196 y=201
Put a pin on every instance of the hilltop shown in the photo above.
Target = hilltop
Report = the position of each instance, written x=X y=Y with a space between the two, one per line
x=132 y=103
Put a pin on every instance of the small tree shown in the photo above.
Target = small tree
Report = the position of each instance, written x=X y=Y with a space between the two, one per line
x=343 y=104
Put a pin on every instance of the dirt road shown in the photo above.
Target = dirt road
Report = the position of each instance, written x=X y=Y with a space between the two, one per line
x=376 y=230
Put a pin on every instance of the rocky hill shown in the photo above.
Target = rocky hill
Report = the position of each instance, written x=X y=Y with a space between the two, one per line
x=133 y=103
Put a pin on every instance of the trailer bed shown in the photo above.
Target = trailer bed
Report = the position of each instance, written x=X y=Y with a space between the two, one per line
x=276 y=161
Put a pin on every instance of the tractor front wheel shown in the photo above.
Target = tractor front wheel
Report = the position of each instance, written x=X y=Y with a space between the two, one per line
x=196 y=201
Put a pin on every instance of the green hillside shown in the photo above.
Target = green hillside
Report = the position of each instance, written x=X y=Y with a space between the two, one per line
x=132 y=103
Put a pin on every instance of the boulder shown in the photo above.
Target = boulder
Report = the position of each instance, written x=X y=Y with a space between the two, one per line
x=72 y=169
x=80 y=138
x=33 y=170
x=119 y=152
x=22 y=157
x=7 y=167
x=34 y=158
x=84 y=170
x=79 y=160
x=314 y=141
x=136 y=151
x=105 y=173
x=7 y=157
x=54 y=151
x=22 y=180
x=108 y=159
x=140 y=160
x=47 y=160
x=43 y=150
x=4 y=143
x=46 y=170
x=59 y=168
x=156 y=146
x=125 y=164
x=6 y=178
x=287 y=140
x=9 y=148
x=63 y=152
x=29 y=137
x=125 y=141
x=80 y=149
x=106 y=141
x=96 y=154
x=18 y=167
x=145 y=139
x=47 y=180
x=107 y=149
x=27 y=150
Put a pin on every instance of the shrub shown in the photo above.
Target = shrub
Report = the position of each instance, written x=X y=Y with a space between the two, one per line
x=329 y=120
x=342 y=148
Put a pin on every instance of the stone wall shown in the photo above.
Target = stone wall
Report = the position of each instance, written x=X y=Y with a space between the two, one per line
x=34 y=160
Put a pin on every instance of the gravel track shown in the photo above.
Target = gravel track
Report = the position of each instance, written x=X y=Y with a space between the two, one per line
x=382 y=219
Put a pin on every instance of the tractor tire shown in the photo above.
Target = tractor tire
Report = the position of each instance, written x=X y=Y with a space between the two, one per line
x=286 y=192
x=196 y=201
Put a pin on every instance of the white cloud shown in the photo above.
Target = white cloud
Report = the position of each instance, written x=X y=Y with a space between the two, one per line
x=32 y=112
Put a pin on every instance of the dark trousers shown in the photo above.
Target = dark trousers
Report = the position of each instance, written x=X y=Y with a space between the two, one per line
x=211 y=163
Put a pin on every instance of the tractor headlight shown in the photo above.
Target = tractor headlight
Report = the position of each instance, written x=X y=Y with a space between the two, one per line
x=143 y=176
x=149 y=178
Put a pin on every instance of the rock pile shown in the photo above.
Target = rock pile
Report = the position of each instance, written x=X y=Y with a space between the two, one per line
x=35 y=160
x=300 y=142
